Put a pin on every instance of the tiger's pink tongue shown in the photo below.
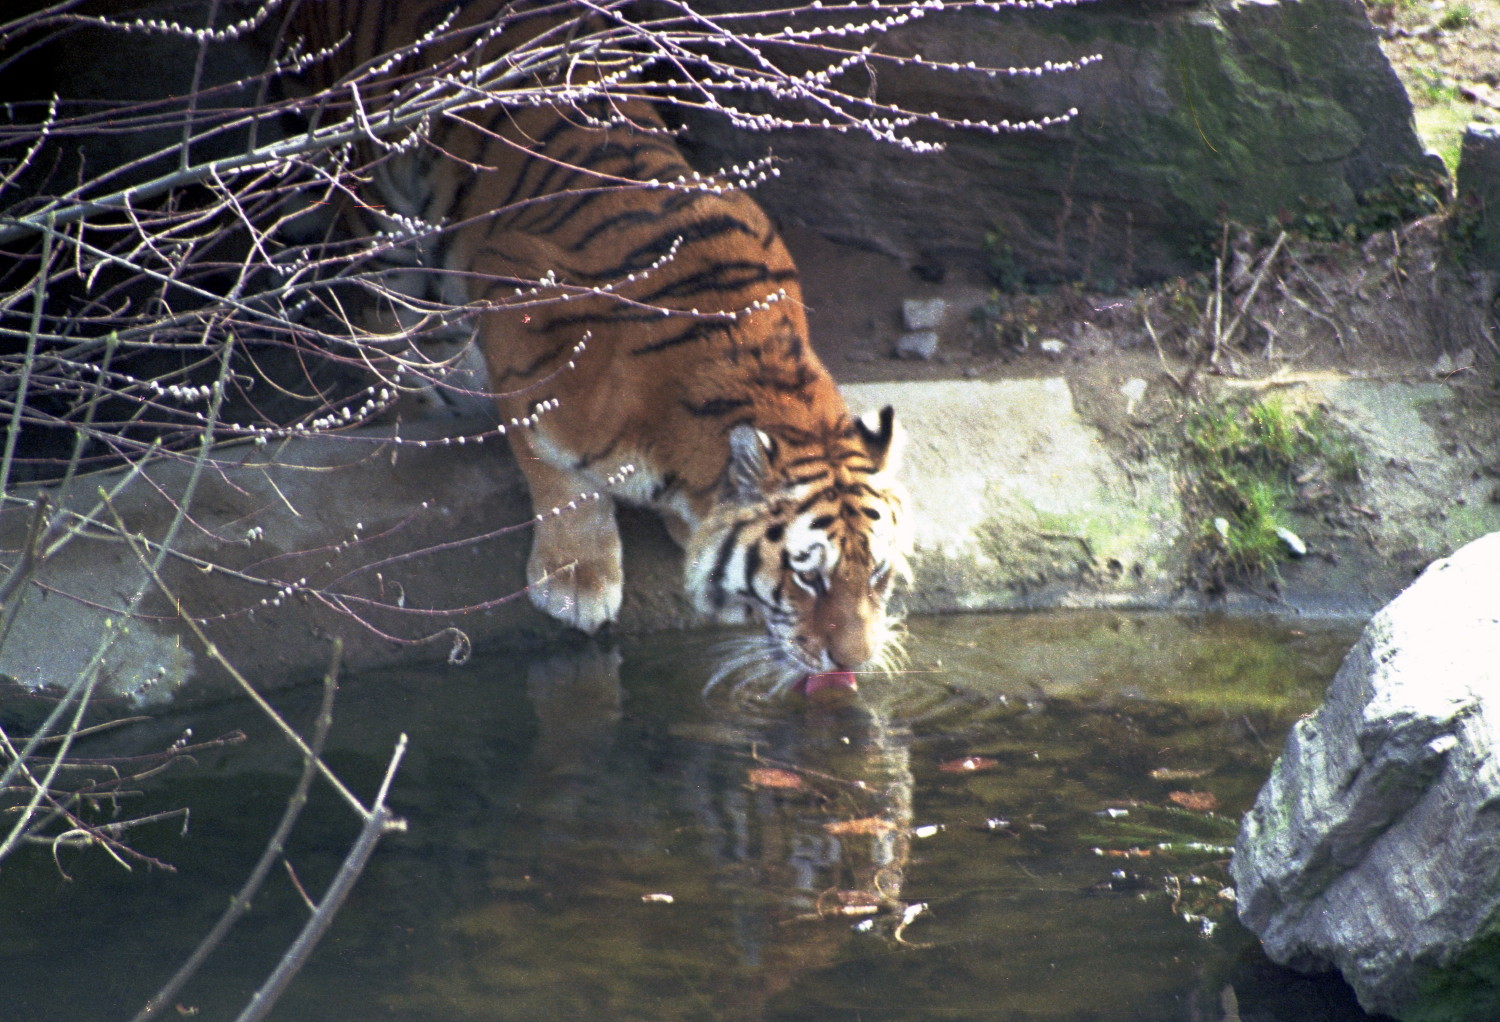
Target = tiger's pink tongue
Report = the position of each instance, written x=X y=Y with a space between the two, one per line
x=815 y=683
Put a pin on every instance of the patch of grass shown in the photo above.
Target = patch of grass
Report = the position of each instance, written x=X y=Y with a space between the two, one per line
x=1456 y=17
x=1248 y=458
x=1441 y=126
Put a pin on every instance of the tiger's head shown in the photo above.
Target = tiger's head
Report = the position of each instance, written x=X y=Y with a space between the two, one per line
x=809 y=535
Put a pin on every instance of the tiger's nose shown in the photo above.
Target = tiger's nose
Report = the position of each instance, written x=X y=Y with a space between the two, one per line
x=848 y=649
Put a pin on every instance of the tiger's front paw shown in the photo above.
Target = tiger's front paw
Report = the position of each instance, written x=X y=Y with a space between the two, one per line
x=577 y=591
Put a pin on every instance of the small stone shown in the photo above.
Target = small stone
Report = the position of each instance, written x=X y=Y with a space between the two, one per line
x=1294 y=543
x=919 y=344
x=1053 y=347
x=923 y=313
x=1133 y=390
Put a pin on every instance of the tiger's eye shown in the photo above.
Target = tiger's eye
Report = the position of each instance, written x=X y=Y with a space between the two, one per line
x=813 y=582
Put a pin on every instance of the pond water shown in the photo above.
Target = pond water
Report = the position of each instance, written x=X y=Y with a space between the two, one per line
x=1032 y=823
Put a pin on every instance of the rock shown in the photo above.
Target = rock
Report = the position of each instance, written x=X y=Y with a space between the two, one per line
x=1371 y=849
x=1479 y=191
x=1133 y=390
x=923 y=313
x=1194 y=113
x=919 y=344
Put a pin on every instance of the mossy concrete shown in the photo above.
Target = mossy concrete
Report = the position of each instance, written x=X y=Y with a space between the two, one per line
x=1018 y=502
x=415 y=551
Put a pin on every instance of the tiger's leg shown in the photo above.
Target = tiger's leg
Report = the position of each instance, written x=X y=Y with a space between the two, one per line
x=575 y=572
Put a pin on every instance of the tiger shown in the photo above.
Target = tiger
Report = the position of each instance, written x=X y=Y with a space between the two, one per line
x=649 y=325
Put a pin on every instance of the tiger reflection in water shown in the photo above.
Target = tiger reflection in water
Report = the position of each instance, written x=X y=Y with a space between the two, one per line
x=796 y=868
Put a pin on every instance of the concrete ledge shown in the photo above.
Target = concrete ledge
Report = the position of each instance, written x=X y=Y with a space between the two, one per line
x=394 y=530
x=1019 y=502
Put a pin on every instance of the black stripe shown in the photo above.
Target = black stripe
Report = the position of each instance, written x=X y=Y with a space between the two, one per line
x=707 y=228
x=581 y=173
x=807 y=504
x=752 y=565
x=626 y=220
x=675 y=201
x=715 y=406
x=547 y=217
x=697 y=332
x=721 y=563
x=719 y=278
x=588 y=459
x=797 y=385
x=517 y=191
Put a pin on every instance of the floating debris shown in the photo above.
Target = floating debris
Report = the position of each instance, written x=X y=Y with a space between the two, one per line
x=1195 y=801
x=869 y=825
x=968 y=765
x=1123 y=882
x=1178 y=773
x=776 y=778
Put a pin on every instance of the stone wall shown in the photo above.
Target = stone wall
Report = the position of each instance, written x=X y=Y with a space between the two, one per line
x=1196 y=111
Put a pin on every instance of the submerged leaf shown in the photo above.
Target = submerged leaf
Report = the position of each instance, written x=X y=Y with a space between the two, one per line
x=865 y=826
x=1196 y=801
x=774 y=777
x=1178 y=773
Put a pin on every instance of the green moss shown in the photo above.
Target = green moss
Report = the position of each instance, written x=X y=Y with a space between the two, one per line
x=1469 y=988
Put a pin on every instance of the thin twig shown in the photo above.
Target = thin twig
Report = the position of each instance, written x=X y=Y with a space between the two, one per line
x=1244 y=303
x=379 y=823
x=212 y=649
x=240 y=903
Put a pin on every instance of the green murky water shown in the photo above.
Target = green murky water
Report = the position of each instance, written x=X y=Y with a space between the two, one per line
x=1031 y=824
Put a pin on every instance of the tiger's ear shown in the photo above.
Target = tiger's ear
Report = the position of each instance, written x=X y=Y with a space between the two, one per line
x=749 y=468
x=882 y=438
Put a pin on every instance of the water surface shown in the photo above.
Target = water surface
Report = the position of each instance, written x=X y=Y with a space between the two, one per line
x=1032 y=823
